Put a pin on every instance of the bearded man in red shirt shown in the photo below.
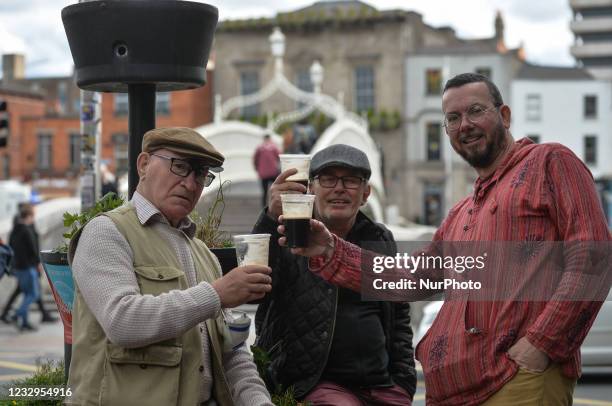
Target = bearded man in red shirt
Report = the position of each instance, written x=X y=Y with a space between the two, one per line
x=508 y=348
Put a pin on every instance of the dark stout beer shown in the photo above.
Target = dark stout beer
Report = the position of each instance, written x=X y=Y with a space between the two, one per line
x=296 y=231
x=297 y=211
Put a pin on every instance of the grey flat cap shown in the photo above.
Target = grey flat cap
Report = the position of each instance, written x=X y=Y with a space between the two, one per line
x=340 y=155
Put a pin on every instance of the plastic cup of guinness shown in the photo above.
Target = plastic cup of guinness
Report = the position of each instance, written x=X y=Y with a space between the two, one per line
x=299 y=162
x=252 y=249
x=297 y=211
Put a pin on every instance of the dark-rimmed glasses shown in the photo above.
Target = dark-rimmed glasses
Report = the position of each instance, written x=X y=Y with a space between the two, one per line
x=183 y=168
x=330 y=181
x=475 y=114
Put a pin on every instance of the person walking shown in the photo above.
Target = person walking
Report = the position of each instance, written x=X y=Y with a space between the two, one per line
x=47 y=317
x=24 y=242
x=266 y=163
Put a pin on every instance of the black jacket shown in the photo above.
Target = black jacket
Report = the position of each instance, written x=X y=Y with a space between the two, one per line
x=295 y=322
x=24 y=242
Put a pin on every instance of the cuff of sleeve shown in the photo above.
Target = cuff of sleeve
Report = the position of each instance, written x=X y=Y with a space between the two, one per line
x=209 y=300
x=547 y=346
x=316 y=264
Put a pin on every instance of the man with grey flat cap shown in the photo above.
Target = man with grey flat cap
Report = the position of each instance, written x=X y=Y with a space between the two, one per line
x=333 y=348
x=147 y=318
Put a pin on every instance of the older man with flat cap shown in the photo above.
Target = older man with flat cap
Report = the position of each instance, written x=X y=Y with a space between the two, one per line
x=359 y=353
x=148 y=325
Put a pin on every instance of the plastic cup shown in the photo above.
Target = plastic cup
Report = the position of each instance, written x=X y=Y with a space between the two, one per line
x=299 y=162
x=297 y=212
x=252 y=249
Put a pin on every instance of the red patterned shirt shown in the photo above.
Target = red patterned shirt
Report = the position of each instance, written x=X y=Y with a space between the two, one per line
x=539 y=192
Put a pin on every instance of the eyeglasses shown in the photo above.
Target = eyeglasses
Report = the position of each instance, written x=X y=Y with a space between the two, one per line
x=475 y=114
x=348 y=182
x=182 y=167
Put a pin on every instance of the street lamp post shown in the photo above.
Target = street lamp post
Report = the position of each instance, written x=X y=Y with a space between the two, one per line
x=111 y=54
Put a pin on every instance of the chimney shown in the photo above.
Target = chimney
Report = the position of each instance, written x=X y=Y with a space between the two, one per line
x=13 y=67
x=499 y=32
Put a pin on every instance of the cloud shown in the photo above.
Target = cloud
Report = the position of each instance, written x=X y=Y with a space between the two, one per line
x=537 y=11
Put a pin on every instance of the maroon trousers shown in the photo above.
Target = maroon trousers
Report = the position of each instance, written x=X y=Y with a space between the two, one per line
x=331 y=394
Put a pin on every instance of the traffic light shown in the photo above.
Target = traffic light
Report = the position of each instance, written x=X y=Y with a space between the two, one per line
x=4 y=123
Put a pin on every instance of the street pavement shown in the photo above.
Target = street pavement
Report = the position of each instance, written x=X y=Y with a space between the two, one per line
x=20 y=353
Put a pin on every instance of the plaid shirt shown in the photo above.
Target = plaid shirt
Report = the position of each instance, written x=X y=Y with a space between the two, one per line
x=539 y=191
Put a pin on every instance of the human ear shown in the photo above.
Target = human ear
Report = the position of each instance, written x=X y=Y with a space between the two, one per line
x=142 y=163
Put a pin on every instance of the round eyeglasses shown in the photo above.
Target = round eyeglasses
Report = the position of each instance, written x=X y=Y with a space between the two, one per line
x=475 y=115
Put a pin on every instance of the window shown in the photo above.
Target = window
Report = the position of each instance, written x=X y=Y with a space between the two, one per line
x=62 y=97
x=162 y=103
x=43 y=158
x=121 y=104
x=249 y=83
x=534 y=107
x=75 y=150
x=120 y=146
x=534 y=137
x=433 y=82
x=484 y=71
x=6 y=166
x=433 y=132
x=590 y=106
x=364 y=88
x=590 y=149
x=304 y=83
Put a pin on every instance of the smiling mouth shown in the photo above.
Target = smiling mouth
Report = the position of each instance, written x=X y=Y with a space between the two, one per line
x=336 y=202
x=470 y=139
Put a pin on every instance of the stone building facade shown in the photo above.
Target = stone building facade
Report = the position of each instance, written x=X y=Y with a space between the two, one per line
x=362 y=50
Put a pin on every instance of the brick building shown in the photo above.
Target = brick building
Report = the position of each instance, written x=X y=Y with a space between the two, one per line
x=45 y=141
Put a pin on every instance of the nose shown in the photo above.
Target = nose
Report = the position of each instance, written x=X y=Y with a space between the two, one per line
x=190 y=183
x=339 y=188
x=465 y=124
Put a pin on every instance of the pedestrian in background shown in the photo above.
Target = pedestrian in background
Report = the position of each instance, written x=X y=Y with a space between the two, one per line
x=47 y=317
x=24 y=242
x=266 y=163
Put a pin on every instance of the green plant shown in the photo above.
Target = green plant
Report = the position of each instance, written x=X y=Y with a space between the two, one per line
x=48 y=373
x=77 y=221
x=208 y=227
x=279 y=397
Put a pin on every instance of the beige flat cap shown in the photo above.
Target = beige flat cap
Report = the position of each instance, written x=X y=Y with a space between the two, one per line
x=184 y=141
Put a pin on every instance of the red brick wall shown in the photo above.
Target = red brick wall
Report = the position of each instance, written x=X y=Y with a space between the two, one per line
x=60 y=129
x=18 y=107
x=188 y=108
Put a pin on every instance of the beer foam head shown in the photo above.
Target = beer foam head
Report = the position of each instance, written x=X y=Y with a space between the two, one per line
x=299 y=162
x=297 y=206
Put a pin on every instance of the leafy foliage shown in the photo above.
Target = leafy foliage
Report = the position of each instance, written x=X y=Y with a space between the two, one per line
x=77 y=221
x=49 y=373
x=279 y=397
x=208 y=227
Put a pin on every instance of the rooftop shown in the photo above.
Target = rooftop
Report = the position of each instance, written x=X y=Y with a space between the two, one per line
x=537 y=72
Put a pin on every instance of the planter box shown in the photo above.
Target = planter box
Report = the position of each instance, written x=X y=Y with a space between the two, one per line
x=59 y=274
x=227 y=258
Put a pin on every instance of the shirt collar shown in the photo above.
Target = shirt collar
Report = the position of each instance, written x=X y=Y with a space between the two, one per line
x=147 y=213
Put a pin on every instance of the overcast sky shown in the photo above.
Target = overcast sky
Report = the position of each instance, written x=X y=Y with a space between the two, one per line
x=34 y=27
